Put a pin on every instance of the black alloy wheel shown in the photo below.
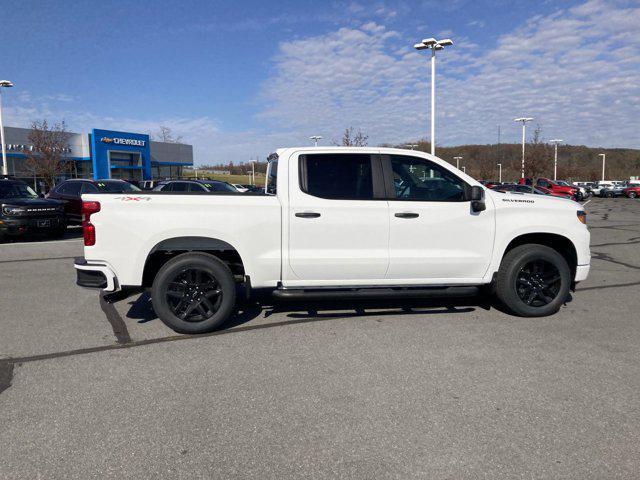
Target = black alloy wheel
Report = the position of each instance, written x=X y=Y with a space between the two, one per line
x=194 y=292
x=538 y=283
x=533 y=280
x=194 y=295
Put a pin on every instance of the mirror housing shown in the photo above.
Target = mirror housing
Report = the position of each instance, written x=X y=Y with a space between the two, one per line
x=477 y=199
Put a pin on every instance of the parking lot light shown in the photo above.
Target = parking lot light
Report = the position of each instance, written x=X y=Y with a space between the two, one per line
x=555 y=141
x=5 y=169
x=433 y=45
x=603 y=160
x=500 y=173
x=315 y=139
x=524 y=121
x=457 y=159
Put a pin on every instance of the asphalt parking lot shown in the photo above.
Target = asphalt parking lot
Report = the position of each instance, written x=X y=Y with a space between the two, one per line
x=366 y=390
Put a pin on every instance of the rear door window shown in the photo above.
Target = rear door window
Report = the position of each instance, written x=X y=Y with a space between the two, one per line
x=89 y=188
x=180 y=187
x=72 y=189
x=337 y=176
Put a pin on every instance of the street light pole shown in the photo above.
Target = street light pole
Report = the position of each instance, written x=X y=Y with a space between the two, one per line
x=315 y=139
x=603 y=160
x=555 y=141
x=500 y=172
x=433 y=45
x=253 y=172
x=457 y=159
x=524 y=121
x=5 y=168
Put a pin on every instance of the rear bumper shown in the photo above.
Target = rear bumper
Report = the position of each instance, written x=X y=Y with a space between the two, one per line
x=582 y=272
x=95 y=275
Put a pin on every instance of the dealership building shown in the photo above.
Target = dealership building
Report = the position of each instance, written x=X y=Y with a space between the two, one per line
x=105 y=154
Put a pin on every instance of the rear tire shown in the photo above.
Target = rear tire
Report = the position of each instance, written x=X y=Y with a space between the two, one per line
x=533 y=281
x=194 y=293
x=633 y=194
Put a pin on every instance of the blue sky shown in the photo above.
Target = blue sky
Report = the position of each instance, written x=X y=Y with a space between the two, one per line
x=239 y=79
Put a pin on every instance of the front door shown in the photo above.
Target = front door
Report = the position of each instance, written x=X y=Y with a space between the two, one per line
x=338 y=220
x=434 y=235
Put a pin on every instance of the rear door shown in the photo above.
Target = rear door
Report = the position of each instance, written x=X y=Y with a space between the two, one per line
x=434 y=237
x=338 y=220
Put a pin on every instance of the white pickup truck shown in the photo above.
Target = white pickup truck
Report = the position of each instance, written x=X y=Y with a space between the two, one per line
x=336 y=222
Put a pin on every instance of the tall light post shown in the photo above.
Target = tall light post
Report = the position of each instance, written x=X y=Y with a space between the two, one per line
x=555 y=142
x=315 y=139
x=433 y=45
x=524 y=121
x=457 y=159
x=603 y=160
x=5 y=168
x=500 y=173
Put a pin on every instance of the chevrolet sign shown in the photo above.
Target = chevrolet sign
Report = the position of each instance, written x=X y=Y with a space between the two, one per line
x=124 y=141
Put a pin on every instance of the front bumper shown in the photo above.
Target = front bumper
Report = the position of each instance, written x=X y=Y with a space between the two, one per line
x=17 y=225
x=90 y=274
x=582 y=272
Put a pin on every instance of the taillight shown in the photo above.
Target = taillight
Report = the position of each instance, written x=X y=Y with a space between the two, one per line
x=89 y=231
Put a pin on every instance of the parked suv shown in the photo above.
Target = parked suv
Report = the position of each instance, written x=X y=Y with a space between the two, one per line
x=22 y=211
x=194 y=186
x=69 y=193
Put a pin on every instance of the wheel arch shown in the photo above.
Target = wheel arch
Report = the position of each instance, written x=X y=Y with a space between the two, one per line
x=168 y=248
x=563 y=245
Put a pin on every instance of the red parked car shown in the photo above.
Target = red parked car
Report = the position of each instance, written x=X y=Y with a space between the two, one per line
x=552 y=193
x=554 y=187
x=70 y=191
x=632 y=192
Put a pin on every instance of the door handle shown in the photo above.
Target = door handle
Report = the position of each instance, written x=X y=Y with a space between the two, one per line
x=407 y=215
x=307 y=214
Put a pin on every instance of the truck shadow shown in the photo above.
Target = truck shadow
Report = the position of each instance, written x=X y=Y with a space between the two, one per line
x=141 y=308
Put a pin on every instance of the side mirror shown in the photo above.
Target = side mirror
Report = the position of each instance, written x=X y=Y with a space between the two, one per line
x=477 y=199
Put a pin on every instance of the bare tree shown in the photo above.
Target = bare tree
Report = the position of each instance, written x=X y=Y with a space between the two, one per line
x=538 y=156
x=50 y=144
x=165 y=134
x=353 y=139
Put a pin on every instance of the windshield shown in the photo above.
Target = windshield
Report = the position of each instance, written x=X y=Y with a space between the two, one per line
x=116 y=187
x=562 y=183
x=16 y=190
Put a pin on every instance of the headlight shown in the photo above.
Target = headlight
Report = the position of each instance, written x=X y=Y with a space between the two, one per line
x=13 y=210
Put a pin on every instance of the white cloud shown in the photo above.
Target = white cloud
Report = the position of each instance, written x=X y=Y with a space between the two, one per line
x=575 y=71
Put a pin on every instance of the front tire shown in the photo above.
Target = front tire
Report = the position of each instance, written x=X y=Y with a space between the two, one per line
x=194 y=293
x=633 y=194
x=533 y=281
